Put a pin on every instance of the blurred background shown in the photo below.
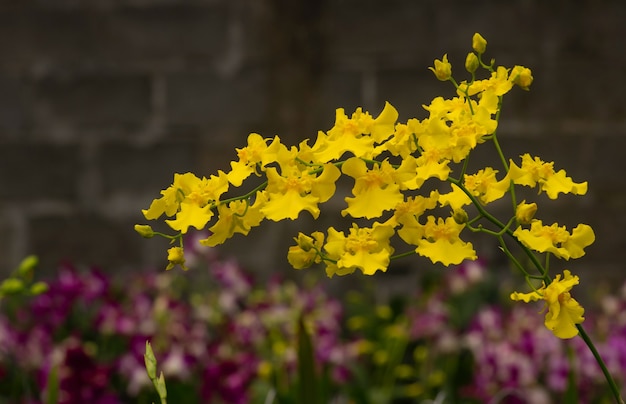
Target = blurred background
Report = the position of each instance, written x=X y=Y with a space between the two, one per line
x=102 y=101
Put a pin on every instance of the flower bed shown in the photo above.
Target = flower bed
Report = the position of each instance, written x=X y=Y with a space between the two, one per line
x=235 y=341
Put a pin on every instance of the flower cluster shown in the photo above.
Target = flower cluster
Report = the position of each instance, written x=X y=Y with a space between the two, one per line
x=389 y=162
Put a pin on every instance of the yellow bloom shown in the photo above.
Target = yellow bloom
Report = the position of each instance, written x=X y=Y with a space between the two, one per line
x=248 y=158
x=456 y=198
x=306 y=251
x=407 y=215
x=556 y=239
x=408 y=211
x=441 y=242
x=375 y=190
x=295 y=190
x=347 y=135
x=442 y=69
x=499 y=83
x=191 y=215
x=403 y=143
x=169 y=203
x=236 y=217
x=563 y=311
x=175 y=256
x=484 y=185
x=430 y=164
x=367 y=249
x=535 y=172
x=189 y=198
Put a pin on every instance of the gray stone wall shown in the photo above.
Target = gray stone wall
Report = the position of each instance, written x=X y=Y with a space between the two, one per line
x=102 y=101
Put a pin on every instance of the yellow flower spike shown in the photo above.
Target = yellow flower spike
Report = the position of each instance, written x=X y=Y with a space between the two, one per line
x=563 y=311
x=525 y=212
x=175 y=256
x=441 y=242
x=479 y=44
x=556 y=239
x=367 y=249
x=375 y=190
x=442 y=69
x=303 y=254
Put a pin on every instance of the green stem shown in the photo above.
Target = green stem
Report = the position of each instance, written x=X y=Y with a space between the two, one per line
x=402 y=255
x=500 y=225
x=598 y=358
x=546 y=278
x=246 y=196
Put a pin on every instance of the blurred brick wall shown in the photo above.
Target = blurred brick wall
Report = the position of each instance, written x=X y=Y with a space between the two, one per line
x=102 y=101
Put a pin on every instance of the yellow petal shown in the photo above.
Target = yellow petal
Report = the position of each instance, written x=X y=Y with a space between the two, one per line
x=190 y=215
x=446 y=252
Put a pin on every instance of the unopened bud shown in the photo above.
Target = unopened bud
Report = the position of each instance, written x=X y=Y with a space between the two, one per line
x=176 y=256
x=305 y=242
x=144 y=230
x=522 y=77
x=525 y=212
x=471 y=62
x=150 y=361
x=442 y=69
x=460 y=216
x=479 y=44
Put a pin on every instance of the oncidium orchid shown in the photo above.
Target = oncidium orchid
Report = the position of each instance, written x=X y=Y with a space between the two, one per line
x=563 y=312
x=397 y=168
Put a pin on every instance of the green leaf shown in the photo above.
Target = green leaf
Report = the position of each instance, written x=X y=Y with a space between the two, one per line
x=308 y=388
x=11 y=286
x=38 y=288
x=160 y=388
x=150 y=361
x=25 y=269
x=52 y=386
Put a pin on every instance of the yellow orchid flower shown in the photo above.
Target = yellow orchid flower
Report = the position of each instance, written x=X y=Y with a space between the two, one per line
x=564 y=312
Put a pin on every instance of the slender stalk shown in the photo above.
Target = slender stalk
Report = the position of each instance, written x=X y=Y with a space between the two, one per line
x=546 y=278
x=598 y=358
